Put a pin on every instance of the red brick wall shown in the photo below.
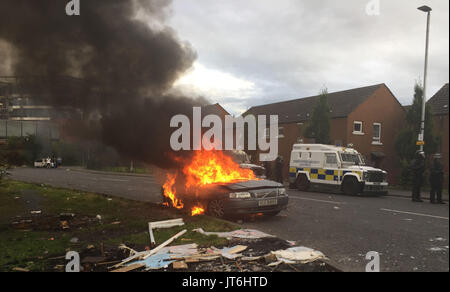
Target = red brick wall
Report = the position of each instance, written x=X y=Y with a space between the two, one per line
x=441 y=128
x=293 y=131
x=383 y=108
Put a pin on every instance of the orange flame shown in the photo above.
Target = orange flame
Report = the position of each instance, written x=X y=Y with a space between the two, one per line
x=197 y=211
x=205 y=168
x=209 y=167
x=170 y=191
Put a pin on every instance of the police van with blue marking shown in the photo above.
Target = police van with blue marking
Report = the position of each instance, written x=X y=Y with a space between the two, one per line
x=332 y=167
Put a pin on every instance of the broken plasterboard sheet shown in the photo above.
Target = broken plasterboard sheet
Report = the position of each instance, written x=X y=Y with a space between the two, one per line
x=231 y=253
x=298 y=254
x=183 y=250
x=156 y=262
x=241 y=233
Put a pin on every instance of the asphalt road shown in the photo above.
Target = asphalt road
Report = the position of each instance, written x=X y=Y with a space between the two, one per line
x=408 y=236
x=139 y=188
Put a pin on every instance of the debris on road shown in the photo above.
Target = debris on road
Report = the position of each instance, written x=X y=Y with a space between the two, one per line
x=241 y=233
x=299 y=254
x=22 y=224
x=231 y=253
x=180 y=265
x=162 y=224
x=255 y=251
x=64 y=225
x=23 y=270
x=128 y=268
x=74 y=240
x=165 y=243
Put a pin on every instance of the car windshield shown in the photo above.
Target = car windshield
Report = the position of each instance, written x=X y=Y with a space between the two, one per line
x=351 y=158
x=240 y=157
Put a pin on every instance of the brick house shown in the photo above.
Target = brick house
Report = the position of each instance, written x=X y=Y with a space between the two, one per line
x=367 y=117
x=439 y=109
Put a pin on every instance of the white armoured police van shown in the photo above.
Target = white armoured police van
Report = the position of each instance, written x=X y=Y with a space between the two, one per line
x=333 y=166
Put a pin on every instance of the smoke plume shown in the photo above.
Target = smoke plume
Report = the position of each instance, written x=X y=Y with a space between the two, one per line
x=121 y=58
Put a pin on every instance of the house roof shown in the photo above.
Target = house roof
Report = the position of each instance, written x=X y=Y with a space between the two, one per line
x=439 y=102
x=342 y=103
x=214 y=109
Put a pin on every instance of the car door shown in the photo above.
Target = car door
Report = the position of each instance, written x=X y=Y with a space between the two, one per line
x=331 y=168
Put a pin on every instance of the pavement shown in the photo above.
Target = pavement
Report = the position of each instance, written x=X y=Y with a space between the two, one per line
x=408 y=193
x=408 y=236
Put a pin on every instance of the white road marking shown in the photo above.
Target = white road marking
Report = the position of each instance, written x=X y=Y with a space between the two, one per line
x=316 y=200
x=417 y=214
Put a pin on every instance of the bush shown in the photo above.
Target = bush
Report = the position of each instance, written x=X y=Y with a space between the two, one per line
x=20 y=151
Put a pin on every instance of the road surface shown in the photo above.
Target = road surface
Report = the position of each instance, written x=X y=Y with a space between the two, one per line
x=408 y=236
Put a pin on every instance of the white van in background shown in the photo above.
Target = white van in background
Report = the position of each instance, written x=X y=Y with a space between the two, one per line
x=339 y=168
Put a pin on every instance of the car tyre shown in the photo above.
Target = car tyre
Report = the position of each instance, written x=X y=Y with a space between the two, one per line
x=216 y=208
x=302 y=183
x=351 y=186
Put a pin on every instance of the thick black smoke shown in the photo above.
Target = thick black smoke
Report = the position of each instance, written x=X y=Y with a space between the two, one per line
x=122 y=65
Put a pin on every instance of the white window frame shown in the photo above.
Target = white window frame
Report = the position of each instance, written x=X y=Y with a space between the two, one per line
x=361 y=132
x=280 y=135
x=377 y=141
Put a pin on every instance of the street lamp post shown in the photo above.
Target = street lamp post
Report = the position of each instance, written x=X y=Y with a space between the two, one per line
x=421 y=139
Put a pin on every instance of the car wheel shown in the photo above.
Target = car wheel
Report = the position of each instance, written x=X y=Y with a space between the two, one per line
x=351 y=186
x=216 y=208
x=302 y=183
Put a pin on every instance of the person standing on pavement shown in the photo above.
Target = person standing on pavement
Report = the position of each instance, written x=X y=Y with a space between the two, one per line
x=268 y=168
x=279 y=169
x=418 y=169
x=436 y=180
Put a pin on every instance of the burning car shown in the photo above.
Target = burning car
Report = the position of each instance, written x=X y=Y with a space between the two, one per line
x=213 y=183
x=241 y=158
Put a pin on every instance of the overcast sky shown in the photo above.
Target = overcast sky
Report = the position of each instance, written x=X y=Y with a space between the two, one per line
x=253 y=52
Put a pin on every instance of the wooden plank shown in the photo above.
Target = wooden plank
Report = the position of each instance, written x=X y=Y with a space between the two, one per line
x=131 y=258
x=163 y=224
x=165 y=243
x=128 y=268
x=237 y=249
x=152 y=237
x=167 y=223
x=179 y=265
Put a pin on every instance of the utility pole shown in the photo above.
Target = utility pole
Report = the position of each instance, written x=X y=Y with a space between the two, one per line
x=421 y=140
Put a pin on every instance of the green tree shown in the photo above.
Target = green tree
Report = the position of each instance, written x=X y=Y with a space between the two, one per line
x=405 y=143
x=20 y=150
x=318 y=127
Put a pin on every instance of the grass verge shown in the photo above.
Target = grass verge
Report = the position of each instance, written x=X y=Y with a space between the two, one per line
x=99 y=220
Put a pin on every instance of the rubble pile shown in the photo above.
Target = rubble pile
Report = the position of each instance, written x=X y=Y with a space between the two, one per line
x=248 y=251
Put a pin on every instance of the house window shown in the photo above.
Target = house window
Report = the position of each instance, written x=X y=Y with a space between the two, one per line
x=376 y=133
x=358 y=128
x=280 y=132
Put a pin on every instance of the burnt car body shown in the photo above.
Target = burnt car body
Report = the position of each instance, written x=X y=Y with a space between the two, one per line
x=259 y=171
x=239 y=198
